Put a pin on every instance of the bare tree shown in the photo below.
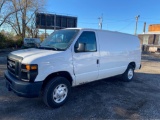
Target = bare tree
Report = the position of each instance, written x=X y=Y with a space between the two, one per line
x=31 y=28
x=23 y=20
x=6 y=10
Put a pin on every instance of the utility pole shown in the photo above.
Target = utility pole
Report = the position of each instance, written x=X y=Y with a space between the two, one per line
x=100 y=21
x=45 y=26
x=54 y=22
x=137 y=17
x=144 y=28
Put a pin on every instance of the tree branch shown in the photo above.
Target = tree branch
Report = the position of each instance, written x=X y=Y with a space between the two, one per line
x=12 y=25
x=7 y=17
x=1 y=5
x=31 y=16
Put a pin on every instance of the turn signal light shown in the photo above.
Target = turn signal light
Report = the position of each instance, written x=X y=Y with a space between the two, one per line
x=31 y=67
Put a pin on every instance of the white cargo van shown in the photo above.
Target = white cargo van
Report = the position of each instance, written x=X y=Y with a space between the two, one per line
x=71 y=57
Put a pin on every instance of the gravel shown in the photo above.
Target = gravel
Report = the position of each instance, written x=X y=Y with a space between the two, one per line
x=110 y=98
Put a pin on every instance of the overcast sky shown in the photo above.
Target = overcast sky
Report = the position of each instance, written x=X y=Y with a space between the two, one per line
x=118 y=15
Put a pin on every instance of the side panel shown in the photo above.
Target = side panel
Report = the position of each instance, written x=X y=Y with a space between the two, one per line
x=135 y=52
x=117 y=50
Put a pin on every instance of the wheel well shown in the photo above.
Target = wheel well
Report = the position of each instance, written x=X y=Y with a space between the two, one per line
x=61 y=73
x=133 y=64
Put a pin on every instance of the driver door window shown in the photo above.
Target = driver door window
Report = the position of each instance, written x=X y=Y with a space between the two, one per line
x=86 y=42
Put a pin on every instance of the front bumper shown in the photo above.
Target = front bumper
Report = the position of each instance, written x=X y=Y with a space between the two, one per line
x=22 y=88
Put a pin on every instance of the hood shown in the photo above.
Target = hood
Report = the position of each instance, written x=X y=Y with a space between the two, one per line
x=33 y=52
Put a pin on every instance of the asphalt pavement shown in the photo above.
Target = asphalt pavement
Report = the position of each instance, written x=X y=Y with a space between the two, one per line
x=110 y=98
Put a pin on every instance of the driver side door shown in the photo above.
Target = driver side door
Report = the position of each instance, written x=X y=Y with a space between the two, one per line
x=86 y=58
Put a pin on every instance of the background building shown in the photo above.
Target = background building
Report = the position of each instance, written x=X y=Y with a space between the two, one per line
x=150 y=40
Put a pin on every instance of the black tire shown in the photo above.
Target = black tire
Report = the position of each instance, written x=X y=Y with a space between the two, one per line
x=56 y=88
x=128 y=75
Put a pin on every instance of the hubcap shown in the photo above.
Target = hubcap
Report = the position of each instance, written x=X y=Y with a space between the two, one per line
x=60 y=93
x=130 y=74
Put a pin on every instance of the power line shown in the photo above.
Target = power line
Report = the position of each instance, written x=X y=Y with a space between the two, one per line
x=126 y=26
x=87 y=23
x=150 y=18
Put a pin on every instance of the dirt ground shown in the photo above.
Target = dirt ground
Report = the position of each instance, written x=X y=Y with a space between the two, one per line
x=106 y=99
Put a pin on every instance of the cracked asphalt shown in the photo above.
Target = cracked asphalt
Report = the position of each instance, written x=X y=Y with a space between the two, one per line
x=110 y=98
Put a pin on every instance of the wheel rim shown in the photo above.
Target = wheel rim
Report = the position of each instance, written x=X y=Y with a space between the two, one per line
x=60 y=93
x=130 y=74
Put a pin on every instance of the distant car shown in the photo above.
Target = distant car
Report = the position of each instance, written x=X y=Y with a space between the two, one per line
x=31 y=42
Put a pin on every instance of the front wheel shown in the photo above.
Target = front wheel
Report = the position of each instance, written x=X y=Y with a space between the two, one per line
x=128 y=74
x=56 y=92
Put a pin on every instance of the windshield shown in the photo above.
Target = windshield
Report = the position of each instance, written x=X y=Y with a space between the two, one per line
x=59 y=40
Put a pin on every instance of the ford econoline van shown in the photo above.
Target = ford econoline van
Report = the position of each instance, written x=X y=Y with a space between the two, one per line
x=71 y=57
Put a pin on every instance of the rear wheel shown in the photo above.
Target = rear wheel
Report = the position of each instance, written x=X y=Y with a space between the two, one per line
x=128 y=74
x=56 y=92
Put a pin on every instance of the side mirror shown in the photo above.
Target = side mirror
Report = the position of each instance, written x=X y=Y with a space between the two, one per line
x=80 y=47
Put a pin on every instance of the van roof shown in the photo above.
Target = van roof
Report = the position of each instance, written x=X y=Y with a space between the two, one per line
x=99 y=30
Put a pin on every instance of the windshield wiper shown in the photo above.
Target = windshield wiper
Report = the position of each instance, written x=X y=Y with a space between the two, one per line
x=47 y=48
x=50 y=48
x=54 y=48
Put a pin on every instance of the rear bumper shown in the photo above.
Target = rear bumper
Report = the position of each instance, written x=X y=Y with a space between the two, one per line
x=22 y=88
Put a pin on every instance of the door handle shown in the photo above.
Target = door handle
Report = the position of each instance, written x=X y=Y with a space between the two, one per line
x=97 y=61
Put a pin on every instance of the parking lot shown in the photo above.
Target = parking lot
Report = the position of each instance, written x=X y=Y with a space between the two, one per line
x=110 y=98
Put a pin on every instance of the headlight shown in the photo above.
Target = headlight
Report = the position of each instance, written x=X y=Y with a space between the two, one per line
x=29 y=72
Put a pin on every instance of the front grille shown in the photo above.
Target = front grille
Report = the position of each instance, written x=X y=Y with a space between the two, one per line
x=13 y=64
